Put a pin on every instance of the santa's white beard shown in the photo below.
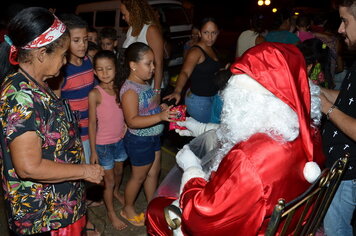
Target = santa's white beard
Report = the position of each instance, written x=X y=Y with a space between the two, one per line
x=246 y=113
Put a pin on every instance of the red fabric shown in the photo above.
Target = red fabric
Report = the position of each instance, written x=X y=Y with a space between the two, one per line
x=281 y=69
x=155 y=220
x=13 y=55
x=75 y=229
x=241 y=195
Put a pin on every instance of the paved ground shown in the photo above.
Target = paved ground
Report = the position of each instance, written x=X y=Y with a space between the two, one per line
x=98 y=214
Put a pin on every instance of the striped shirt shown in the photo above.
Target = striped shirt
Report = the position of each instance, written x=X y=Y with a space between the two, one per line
x=77 y=83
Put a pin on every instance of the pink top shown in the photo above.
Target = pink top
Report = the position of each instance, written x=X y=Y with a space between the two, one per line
x=110 y=119
x=305 y=35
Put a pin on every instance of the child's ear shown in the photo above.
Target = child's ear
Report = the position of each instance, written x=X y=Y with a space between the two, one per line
x=116 y=43
x=132 y=65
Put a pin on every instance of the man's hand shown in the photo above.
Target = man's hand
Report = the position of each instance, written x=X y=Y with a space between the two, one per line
x=194 y=127
x=186 y=158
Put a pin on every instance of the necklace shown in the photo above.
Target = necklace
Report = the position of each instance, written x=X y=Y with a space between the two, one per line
x=64 y=102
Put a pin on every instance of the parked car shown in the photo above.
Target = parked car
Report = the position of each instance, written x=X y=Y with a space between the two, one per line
x=175 y=22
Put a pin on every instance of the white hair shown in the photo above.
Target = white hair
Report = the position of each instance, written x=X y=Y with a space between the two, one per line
x=247 y=112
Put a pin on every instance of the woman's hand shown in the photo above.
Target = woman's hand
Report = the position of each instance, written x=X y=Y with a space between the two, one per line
x=93 y=173
x=174 y=95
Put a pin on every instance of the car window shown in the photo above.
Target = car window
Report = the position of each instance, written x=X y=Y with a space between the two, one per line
x=172 y=14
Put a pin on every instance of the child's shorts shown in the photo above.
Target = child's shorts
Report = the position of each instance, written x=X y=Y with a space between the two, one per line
x=141 y=149
x=111 y=153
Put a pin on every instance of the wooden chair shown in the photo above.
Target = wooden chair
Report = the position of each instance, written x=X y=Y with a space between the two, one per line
x=312 y=204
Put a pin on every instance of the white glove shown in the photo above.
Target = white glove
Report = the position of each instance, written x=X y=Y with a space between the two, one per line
x=186 y=158
x=194 y=127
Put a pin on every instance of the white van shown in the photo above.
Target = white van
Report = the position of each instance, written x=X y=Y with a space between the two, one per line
x=175 y=22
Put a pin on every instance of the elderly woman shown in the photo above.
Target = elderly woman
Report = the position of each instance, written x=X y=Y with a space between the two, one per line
x=41 y=149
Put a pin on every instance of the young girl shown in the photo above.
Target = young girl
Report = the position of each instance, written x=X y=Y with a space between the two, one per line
x=143 y=117
x=106 y=130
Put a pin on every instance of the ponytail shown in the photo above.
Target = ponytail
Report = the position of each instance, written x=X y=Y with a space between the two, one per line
x=6 y=68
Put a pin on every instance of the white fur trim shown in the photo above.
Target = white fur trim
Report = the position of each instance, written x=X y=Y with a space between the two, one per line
x=191 y=172
x=246 y=82
x=311 y=171
x=210 y=126
x=178 y=232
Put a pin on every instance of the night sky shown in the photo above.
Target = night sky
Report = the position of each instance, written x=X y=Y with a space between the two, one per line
x=237 y=6
x=231 y=13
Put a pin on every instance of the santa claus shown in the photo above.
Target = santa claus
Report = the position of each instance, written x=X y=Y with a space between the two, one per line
x=268 y=148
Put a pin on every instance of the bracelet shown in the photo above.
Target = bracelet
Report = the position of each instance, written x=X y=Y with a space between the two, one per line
x=157 y=91
x=329 y=111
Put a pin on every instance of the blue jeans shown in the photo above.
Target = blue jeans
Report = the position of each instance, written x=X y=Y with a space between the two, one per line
x=199 y=107
x=337 y=221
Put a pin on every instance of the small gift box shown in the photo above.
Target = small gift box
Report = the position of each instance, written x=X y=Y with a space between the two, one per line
x=180 y=116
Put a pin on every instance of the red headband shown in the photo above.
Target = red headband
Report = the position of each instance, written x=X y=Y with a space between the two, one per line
x=47 y=37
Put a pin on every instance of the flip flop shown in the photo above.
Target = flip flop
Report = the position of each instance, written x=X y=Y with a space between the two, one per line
x=138 y=220
x=91 y=203
x=93 y=229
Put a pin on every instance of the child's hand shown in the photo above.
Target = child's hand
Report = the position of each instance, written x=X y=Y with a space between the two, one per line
x=168 y=115
x=163 y=106
x=94 y=159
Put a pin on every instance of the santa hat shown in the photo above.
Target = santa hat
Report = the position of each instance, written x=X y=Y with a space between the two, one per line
x=280 y=68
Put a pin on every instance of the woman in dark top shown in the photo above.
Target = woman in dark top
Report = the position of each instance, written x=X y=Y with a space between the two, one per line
x=200 y=66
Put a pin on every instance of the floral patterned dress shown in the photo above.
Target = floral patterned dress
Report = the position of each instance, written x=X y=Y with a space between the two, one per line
x=36 y=207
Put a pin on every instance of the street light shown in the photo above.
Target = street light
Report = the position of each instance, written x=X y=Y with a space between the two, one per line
x=264 y=2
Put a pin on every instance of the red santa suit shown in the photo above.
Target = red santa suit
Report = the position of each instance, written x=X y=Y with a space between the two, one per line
x=240 y=196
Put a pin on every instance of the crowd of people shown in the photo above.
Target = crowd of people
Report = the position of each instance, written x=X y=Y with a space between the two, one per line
x=76 y=105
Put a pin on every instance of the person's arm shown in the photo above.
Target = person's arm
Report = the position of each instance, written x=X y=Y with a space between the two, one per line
x=155 y=41
x=26 y=156
x=226 y=193
x=192 y=59
x=129 y=102
x=93 y=103
x=330 y=94
x=345 y=123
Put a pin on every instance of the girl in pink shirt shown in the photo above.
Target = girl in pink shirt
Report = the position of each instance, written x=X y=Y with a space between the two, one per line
x=106 y=130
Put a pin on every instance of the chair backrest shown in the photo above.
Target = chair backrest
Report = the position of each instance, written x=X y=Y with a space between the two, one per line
x=309 y=208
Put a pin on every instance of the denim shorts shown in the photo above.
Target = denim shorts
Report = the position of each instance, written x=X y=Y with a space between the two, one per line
x=111 y=153
x=141 y=149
